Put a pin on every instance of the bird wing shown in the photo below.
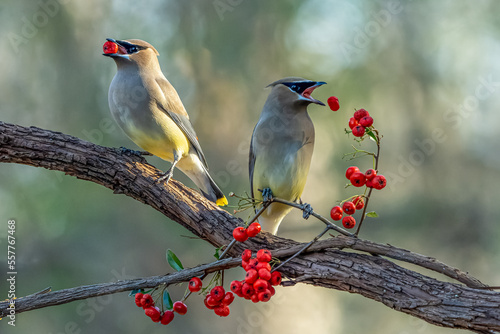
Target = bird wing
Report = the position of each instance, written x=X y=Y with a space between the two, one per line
x=251 y=163
x=179 y=115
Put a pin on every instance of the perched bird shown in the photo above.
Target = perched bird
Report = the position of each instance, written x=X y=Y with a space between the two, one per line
x=281 y=147
x=146 y=106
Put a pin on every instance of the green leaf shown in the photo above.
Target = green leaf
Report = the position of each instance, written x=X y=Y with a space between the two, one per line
x=372 y=214
x=217 y=250
x=371 y=134
x=167 y=301
x=174 y=261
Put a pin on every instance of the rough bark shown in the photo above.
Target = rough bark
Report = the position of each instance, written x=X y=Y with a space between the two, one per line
x=325 y=264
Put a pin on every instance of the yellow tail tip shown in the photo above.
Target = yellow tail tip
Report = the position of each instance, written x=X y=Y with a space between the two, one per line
x=221 y=201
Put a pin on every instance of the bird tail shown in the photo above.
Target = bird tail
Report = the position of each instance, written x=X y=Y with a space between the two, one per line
x=196 y=171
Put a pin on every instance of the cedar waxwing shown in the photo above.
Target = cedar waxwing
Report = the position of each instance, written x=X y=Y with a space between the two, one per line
x=148 y=109
x=281 y=147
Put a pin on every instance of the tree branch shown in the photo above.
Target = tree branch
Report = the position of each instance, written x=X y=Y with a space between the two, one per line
x=370 y=275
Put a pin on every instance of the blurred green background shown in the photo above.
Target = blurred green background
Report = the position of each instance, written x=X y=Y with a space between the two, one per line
x=427 y=71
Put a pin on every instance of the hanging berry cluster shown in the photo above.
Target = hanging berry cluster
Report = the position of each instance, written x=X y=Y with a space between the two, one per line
x=361 y=125
x=259 y=282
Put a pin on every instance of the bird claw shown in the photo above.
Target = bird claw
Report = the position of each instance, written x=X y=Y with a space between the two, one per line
x=307 y=211
x=127 y=151
x=267 y=195
x=167 y=176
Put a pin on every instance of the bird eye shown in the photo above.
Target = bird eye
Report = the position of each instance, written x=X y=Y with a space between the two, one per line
x=132 y=49
x=294 y=87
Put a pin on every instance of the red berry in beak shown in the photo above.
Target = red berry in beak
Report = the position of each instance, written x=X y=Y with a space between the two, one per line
x=110 y=47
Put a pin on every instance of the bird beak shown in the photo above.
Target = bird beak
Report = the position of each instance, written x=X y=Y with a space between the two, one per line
x=308 y=91
x=122 y=51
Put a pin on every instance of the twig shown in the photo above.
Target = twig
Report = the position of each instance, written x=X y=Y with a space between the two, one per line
x=314 y=214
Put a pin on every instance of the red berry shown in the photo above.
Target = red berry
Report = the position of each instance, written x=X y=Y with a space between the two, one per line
x=236 y=287
x=147 y=301
x=275 y=278
x=379 y=182
x=358 y=179
x=254 y=298
x=336 y=213
x=263 y=255
x=360 y=113
x=195 y=284
x=273 y=290
x=251 y=276
x=210 y=302
x=252 y=264
x=247 y=290
x=333 y=103
x=228 y=298
x=110 y=47
x=244 y=264
x=348 y=221
x=180 y=308
x=217 y=293
x=369 y=183
x=349 y=207
x=359 y=202
x=222 y=311
x=358 y=131
x=153 y=313
x=167 y=317
x=366 y=121
x=265 y=295
x=352 y=122
x=370 y=174
x=265 y=274
x=260 y=285
x=263 y=265
x=240 y=234
x=246 y=255
x=253 y=229
x=351 y=170
x=137 y=299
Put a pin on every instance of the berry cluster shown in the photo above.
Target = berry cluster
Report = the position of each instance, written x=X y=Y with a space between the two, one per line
x=241 y=234
x=219 y=300
x=349 y=208
x=368 y=178
x=259 y=280
x=147 y=303
x=359 y=122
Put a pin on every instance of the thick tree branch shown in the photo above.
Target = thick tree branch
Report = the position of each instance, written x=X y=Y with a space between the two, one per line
x=440 y=303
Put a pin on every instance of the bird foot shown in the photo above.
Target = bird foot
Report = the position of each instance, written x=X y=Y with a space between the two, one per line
x=267 y=195
x=167 y=176
x=129 y=152
x=307 y=210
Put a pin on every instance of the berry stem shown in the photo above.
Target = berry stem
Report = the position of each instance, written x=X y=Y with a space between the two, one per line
x=376 y=157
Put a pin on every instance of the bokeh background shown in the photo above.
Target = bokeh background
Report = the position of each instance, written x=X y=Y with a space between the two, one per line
x=427 y=71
